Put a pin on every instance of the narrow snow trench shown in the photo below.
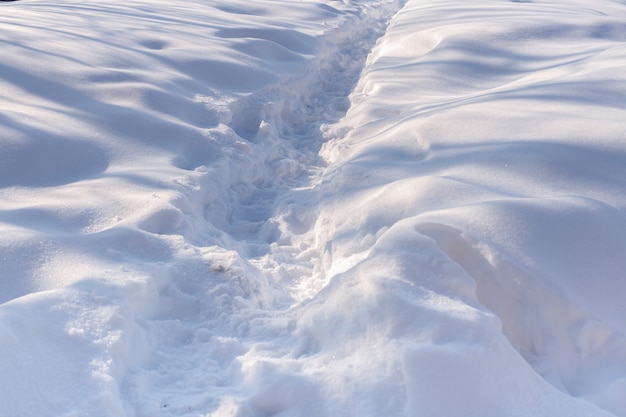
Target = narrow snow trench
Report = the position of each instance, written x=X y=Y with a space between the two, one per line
x=223 y=309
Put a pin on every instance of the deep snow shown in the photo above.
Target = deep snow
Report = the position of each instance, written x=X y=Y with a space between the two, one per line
x=313 y=208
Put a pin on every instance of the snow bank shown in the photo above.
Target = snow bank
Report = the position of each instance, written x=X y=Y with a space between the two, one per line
x=493 y=131
x=191 y=227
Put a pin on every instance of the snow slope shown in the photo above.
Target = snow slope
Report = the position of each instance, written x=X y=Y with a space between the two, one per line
x=312 y=208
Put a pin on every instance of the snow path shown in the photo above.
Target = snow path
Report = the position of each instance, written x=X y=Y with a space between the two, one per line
x=212 y=335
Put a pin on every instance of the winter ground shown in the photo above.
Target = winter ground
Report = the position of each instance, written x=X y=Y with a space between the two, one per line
x=313 y=208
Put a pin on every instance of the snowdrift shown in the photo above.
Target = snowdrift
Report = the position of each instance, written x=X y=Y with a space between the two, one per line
x=312 y=208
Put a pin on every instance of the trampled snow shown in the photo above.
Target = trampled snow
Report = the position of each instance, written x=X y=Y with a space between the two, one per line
x=313 y=208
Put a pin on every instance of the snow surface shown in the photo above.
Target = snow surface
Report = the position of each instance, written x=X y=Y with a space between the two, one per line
x=313 y=208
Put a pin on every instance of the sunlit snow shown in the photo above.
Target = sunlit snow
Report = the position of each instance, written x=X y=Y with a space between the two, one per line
x=313 y=208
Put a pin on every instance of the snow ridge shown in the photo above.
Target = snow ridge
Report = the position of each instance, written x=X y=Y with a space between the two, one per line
x=485 y=230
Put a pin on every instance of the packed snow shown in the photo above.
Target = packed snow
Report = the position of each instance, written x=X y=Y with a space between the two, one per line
x=313 y=208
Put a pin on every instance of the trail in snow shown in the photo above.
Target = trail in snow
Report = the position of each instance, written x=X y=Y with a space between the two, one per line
x=224 y=314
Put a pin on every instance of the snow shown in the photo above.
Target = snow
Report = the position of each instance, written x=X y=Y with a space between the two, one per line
x=312 y=208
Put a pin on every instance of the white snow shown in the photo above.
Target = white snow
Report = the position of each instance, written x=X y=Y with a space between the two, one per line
x=313 y=208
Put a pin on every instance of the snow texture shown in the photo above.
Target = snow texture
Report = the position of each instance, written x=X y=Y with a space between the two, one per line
x=314 y=208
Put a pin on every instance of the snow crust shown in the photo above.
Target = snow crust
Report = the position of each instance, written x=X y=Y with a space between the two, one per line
x=313 y=208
